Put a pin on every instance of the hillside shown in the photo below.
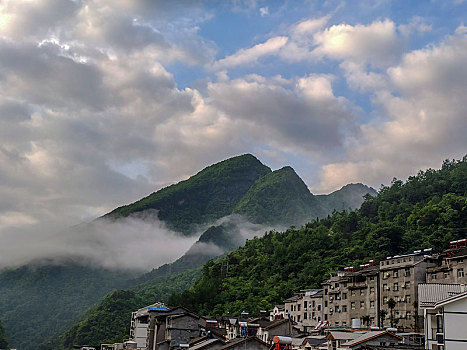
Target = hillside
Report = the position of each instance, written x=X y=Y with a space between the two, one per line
x=280 y=198
x=37 y=302
x=348 y=197
x=428 y=210
x=213 y=199
x=203 y=198
x=4 y=342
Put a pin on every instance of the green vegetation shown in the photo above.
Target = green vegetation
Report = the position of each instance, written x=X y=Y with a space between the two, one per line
x=347 y=198
x=59 y=295
x=203 y=198
x=4 y=342
x=428 y=210
x=109 y=321
x=38 y=302
x=280 y=197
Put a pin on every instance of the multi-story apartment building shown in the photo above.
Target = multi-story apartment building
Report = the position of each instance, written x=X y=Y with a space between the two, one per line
x=399 y=279
x=352 y=295
x=306 y=308
x=451 y=265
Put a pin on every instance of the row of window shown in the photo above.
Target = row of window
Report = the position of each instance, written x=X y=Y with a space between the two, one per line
x=447 y=274
x=395 y=273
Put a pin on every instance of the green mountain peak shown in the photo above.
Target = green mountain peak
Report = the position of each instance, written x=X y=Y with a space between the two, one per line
x=205 y=197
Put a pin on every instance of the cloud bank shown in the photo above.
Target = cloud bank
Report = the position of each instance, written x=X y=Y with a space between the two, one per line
x=103 y=102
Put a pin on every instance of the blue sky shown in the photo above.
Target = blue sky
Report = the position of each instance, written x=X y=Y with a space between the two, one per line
x=103 y=102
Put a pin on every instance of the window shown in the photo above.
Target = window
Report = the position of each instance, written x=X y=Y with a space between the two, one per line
x=352 y=305
x=319 y=307
x=325 y=317
x=362 y=292
x=396 y=287
x=372 y=290
x=312 y=315
x=353 y=293
x=336 y=308
x=385 y=286
x=439 y=323
x=362 y=305
x=372 y=304
x=372 y=278
x=345 y=284
x=344 y=296
x=460 y=272
x=433 y=276
x=313 y=303
x=336 y=285
x=446 y=274
x=344 y=323
x=298 y=307
x=336 y=323
x=408 y=315
x=305 y=316
x=326 y=291
x=298 y=318
x=407 y=298
x=407 y=285
x=305 y=304
x=396 y=273
x=385 y=300
x=407 y=271
x=319 y=319
x=325 y=303
x=344 y=308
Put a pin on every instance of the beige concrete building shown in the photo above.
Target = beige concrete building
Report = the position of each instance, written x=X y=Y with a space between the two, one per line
x=306 y=309
x=451 y=266
x=352 y=294
x=399 y=279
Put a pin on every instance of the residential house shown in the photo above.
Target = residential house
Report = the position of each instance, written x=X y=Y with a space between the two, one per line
x=399 y=279
x=352 y=295
x=445 y=310
x=451 y=265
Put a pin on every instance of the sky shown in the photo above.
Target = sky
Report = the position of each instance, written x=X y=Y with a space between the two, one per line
x=105 y=101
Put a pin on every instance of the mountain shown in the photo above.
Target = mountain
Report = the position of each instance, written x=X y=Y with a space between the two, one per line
x=231 y=201
x=427 y=211
x=279 y=198
x=348 y=197
x=203 y=198
x=4 y=342
x=39 y=301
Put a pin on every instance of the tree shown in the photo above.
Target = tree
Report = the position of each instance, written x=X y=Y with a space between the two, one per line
x=382 y=317
x=4 y=343
x=391 y=306
x=366 y=320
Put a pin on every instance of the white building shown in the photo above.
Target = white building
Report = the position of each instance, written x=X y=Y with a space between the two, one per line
x=445 y=310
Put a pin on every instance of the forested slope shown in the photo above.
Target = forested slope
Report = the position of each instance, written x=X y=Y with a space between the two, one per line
x=428 y=210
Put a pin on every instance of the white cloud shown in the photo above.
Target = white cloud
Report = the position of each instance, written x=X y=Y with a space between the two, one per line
x=251 y=55
x=377 y=43
x=423 y=119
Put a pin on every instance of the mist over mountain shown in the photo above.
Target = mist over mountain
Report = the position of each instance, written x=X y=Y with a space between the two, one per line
x=173 y=231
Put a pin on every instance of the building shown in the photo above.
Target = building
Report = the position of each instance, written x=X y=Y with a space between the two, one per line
x=158 y=327
x=248 y=343
x=305 y=309
x=445 y=315
x=451 y=267
x=352 y=295
x=277 y=312
x=281 y=327
x=399 y=279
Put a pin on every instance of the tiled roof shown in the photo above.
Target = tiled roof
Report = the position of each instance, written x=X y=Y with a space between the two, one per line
x=368 y=336
x=431 y=293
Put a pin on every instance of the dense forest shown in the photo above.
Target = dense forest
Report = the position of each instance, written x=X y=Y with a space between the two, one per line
x=428 y=210
x=4 y=343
